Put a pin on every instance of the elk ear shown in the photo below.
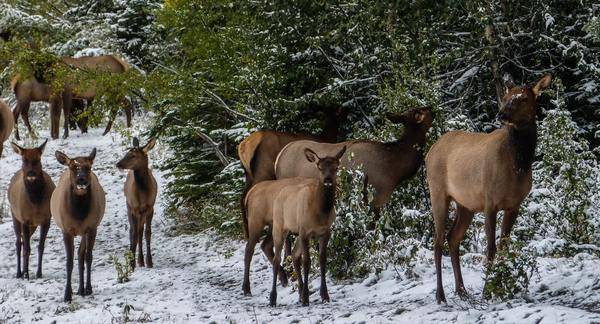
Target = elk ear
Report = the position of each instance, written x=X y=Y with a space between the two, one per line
x=340 y=153
x=509 y=83
x=311 y=156
x=136 y=142
x=542 y=84
x=16 y=148
x=395 y=118
x=149 y=146
x=92 y=155
x=43 y=146
x=62 y=158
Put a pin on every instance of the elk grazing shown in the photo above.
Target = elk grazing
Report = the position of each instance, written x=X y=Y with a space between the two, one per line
x=385 y=165
x=140 y=192
x=483 y=173
x=6 y=124
x=77 y=206
x=29 y=195
x=304 y=206
x=31 y=90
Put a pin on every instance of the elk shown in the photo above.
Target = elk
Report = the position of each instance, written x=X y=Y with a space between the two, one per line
x=304 y=206
x=258 y=153
x=483 y=173
x=140 y=192
x=385 y=165
x=6 y=124
x=29 y=195
x=77 y=206
x=31 y=90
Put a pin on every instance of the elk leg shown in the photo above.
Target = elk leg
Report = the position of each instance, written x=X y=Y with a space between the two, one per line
x=510 y=216
x=140 y=239
x=267 y=247
x=248 y=253
x=287 y=247
x=305 y=268
x=296 y=260
x=43 y=234
x=113 y=115
x=278 y=241
x=128 y=112
x=67 y=102
x=16 y=113
x=490 y=233
x=69 y=249
x=461 y=223
x=91 y=240
x=26 y=249
x=55 y=109
x=440 y=212
x=132 y=235
x=25 y=113
x=18 y=244
x=81 y=265
x=148 y=235
x=323 y=265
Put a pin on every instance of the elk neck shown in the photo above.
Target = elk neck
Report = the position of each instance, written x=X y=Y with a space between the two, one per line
x=325 y=199
x=414 y=136
x=522 y=142
x=142 y=177
x=80 y=204
x=35 y=190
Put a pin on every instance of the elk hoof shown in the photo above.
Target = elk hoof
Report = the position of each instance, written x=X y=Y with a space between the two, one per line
x=38 y=274
x=325 y=297
x=26 y=275
x=440 y=297
x=149 y=263
x=80 y=291
x=273 y=299
x=88 y=290
x=283 y=278
x=68 y=296
x=19 y=274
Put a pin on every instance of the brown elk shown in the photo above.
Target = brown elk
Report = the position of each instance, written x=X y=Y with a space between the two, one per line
x=32 y=89
x=6 y=124
x=140 y=192
x=77 y=206
x=304 y=206
x=259 y=151
x=483 y=173
x=29 y=195
x=385 y=165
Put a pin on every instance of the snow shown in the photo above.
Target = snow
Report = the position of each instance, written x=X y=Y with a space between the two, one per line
x=197 y=278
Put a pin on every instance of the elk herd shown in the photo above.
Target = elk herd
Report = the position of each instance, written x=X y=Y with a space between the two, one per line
x=291 y=183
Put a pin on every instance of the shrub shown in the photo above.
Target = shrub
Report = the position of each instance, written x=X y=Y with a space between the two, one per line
x=510 y=273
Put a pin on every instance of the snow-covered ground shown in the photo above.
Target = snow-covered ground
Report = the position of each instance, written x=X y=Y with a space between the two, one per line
x=198 y=278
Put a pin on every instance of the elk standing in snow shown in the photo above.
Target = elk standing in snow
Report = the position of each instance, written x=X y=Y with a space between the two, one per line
x=304 y=206
x=140 y=192
x=483 y=173
x=77 y=206
x=29 y=195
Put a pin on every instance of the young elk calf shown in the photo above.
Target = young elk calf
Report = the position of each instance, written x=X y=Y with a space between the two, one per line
x=77 y=207
x=29 y=195
x=483 y=173
x=304 y=206
x=140 y=193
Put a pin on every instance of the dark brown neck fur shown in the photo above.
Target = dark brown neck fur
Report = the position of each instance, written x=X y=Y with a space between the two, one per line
x=80 y=204
x=35 y=190
x=522 y=143
x=142 y=178
x=327 y=199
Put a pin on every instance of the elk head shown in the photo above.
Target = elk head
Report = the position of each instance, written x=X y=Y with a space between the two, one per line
x=136 y=157
x=414 y=117
x=518 y=105
x=327 y=166
x=32 y=165
x=81 y=171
